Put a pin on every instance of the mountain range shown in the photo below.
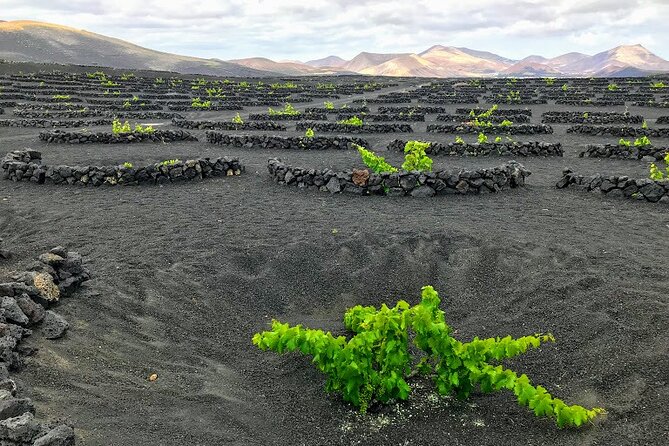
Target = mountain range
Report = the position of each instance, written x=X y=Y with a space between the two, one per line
x=30 y=41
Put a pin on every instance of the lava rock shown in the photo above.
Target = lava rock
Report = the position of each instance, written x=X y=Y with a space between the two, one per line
x=54 y=325
x=61 y=435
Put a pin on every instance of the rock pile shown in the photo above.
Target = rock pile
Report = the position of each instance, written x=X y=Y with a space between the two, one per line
x=24 y=304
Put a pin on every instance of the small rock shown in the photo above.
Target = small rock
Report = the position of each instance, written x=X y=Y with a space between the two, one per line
x=360 y=177
x=21 y=429
x=12 y=311
x=54 y=325
x=48 y=290
x=51 y=259
x=14 y=407
x=62 y=435
x=30 y=308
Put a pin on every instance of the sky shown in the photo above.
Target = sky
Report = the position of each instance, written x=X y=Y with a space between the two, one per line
x=311 y=29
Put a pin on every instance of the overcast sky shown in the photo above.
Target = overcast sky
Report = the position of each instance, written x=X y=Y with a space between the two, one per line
x=311 y=29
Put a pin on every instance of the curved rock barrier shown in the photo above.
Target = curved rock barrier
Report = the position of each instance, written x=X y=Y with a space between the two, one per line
x=624 y=152
x=617 y=186
x=662 y=120
x=25 y=165
x=415 y=184
x=520 y=129
x=319 y=110
x=333 y=127
x=422 y=109
x=228 y=125
x=495 y=118
x=220 y=107
x=61 y=137
x=618 y=131
x=288 y=117
x=590 y=118
x=504 y=111
x=285 y=142
x=590 y=102
x=385 y=117
x=46 y=123
x=26 y=303
x=76 y=114
x=534 y=148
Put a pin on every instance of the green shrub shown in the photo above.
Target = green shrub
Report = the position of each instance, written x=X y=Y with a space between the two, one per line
x=127 y=165
x=624 y=142
x=169 y=162
x=287 y=110
x=506 y=123
x=612 y=87
x=375 y=363
x=378 y=164
x=642 y=142
x=329 y=105
x=353 y=120
x=415 y=157
x=459 y=140
x=644 y=124
x=309 y=133
x=119 y=128
x=498 y=139
x=656 y=173
x=61 y=97
x=238 y=119
x=198 y=103
x=482 y=138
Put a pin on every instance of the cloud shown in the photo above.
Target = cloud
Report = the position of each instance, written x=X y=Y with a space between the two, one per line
x=281 y=29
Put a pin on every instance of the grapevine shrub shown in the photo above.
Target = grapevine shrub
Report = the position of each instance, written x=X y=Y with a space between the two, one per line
x=377 y=163
x=657 y=174
x=415 y=157
x=374 y=364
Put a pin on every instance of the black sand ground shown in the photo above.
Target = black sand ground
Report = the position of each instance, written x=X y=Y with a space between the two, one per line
x=185 y=274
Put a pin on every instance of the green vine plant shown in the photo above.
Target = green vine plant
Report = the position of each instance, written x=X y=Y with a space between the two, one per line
x=121 y=128
x=415 y=157
x=377 y=163
x=309 y=133
x=374 y=365
x=353 y=120
x=328 y=105
x=237 y=119
x=657 y=174
x=642 y=142
x=482 y=138
x=624 y=142
x=287 y=110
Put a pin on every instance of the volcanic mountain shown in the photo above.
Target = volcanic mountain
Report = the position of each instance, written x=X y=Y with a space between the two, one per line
x=28 y=41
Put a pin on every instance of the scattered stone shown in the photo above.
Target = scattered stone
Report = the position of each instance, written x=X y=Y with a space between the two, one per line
x=13 y=407
x=48 y=290
x=62 y=435
x=54 y=325
x=34 y=311
x=12 y=311
x=21 y=429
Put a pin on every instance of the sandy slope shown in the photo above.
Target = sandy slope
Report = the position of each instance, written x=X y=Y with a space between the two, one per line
x=185 y=274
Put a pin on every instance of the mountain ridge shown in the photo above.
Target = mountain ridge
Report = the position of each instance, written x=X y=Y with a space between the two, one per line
x=31 y=41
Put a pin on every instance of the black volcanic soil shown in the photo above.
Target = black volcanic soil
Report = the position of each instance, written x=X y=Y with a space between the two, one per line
x=185 y=274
